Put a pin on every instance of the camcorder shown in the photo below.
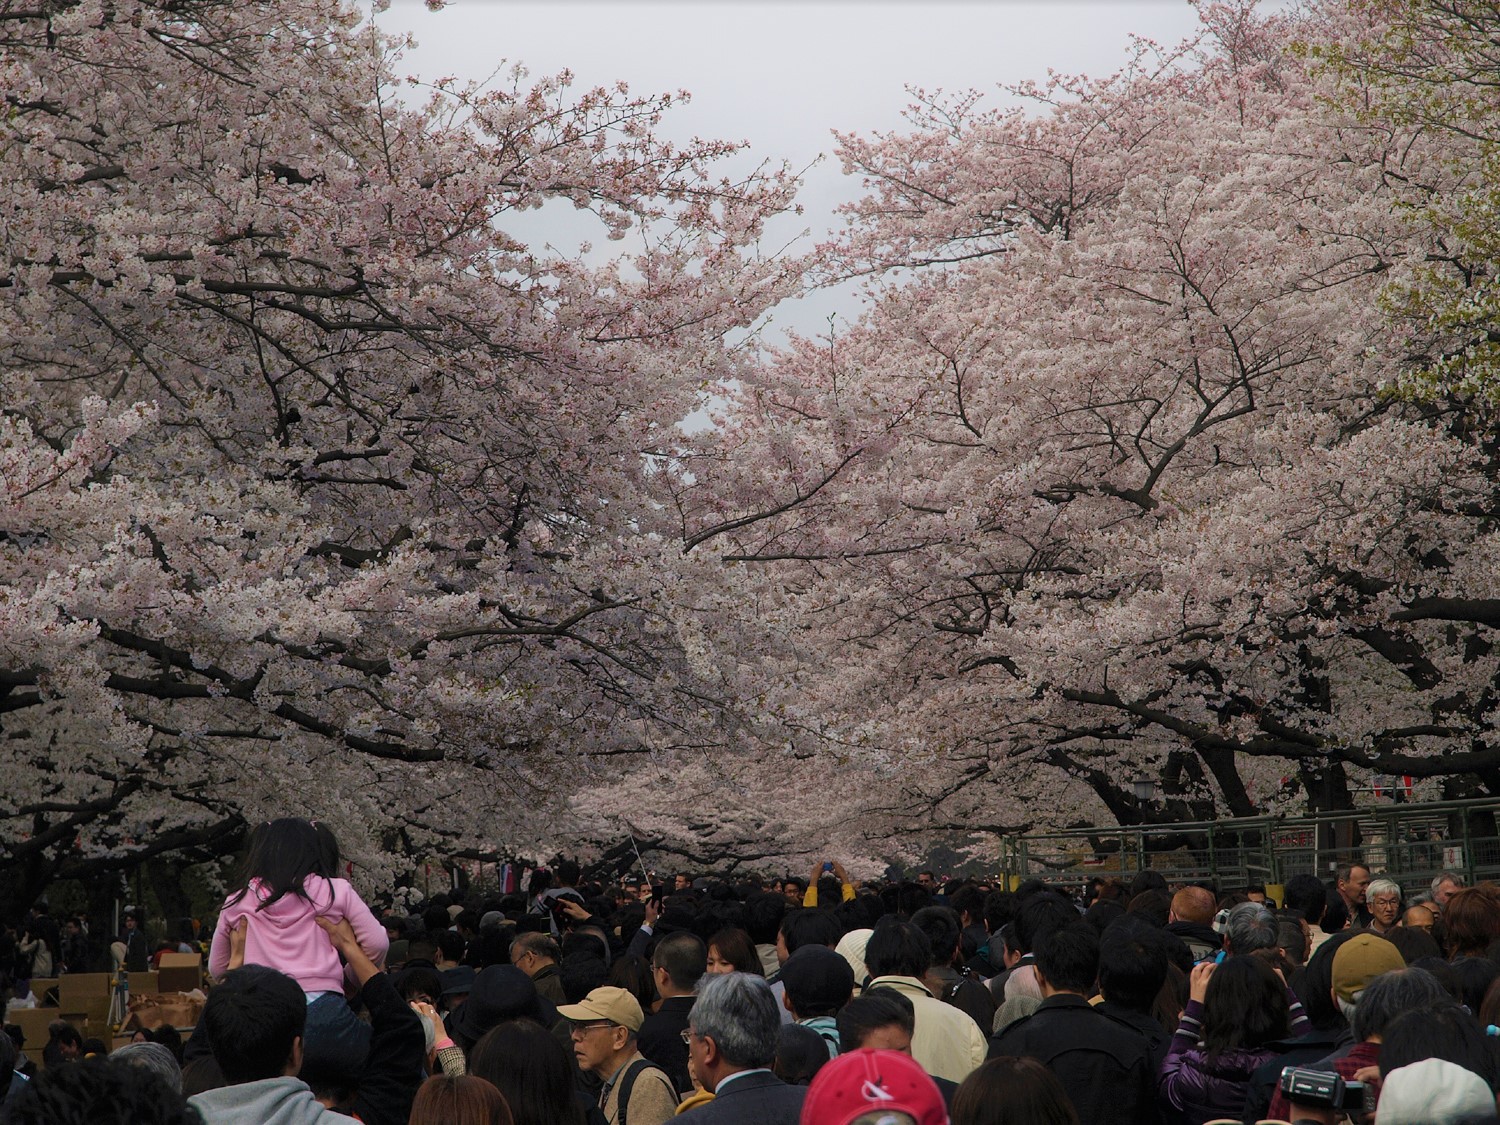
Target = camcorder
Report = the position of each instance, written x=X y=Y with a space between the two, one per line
x=1322 y=1089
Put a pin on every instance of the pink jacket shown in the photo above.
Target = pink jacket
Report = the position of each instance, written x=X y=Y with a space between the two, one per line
x=285 y=935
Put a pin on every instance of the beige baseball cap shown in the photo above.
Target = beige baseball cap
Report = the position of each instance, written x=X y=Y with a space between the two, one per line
x=606 y=1003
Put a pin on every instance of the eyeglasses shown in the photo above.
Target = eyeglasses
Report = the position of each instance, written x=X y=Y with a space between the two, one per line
x=579 y=1029
x=687 y=1035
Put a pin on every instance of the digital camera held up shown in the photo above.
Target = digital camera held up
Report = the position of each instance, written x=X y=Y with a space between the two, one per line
x=1325 y=1090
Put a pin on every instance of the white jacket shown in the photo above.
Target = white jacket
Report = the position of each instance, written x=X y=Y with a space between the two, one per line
x=947 y=1042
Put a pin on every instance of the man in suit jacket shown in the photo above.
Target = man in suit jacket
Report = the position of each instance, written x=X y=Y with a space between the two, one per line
x=731 y=1039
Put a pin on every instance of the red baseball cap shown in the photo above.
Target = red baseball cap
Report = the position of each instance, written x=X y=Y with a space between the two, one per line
x=873 y=1082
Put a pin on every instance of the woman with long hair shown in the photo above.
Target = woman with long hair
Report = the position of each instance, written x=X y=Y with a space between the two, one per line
x=458 y=1099
x=531 y=1069
x=1235 y=1010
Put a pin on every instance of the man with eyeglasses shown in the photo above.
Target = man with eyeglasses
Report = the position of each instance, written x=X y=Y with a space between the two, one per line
x=731 y=1040
x=605 y=1026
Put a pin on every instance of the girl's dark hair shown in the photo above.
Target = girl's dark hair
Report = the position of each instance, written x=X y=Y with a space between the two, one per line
x=531 y=1069
x=330 y=859
x=1012 y=1091
x=734 y=945
x=1245 y=1006
x=282 y=855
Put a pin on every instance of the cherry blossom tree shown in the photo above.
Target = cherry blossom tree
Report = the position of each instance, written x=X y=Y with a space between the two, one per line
x=1108 y=484
x=319 y=491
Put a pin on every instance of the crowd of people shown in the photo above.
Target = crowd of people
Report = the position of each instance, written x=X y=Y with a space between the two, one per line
x=816 y=1001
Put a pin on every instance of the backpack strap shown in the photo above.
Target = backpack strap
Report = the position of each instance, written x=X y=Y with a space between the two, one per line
x=626 y=1085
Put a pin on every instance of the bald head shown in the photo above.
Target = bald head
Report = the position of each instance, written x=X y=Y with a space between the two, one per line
x=1194 y=904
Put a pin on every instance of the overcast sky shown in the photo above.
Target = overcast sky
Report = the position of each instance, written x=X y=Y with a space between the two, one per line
x=781 y=74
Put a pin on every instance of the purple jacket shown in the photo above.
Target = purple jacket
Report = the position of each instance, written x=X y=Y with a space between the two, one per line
x=1195 y=1089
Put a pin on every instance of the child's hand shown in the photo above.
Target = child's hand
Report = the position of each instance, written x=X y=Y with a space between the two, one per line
x=237 y=934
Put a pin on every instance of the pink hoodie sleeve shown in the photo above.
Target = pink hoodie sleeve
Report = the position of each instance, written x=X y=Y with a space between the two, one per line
x=372 y=936
x=218 y=949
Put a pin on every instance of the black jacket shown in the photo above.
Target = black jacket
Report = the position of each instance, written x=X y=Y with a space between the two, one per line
x=661 y=1040
x=1203 y=941
x=1148 y=1025
x=756 y=1099
x=1104 y=1064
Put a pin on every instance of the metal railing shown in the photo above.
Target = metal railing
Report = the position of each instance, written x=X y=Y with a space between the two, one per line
x=1410 y=842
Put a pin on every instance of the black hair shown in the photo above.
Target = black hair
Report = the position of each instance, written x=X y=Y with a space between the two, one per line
x=282 y=854
x=1069 y=958
x=999 y=909
x=60 y=1034
x=170 y=1038
x=567 y=872
x=800 y=1054
x=1442 y=1031
x=1314 y=985
x=584 y=941
x=1245 y=1006
x=201 y=1075
x=1132 y=965
x=941 y=927
x=1044 y=911
x=251 y=1018
x=329 y=858
x=874 y=1008
x=1103 y=913
x=1147 y=881
x=1290 y=937
x=99 y=1092
x=968 y=899
x=734 y=945
x=1390 y=994
x=1336 y=911
x=815 y=926
x=1306 y=895
x=531 y=1069
x=633 y=973
x=580 y=974
x=451 y=944
x=684 y=957
x=1475 y=975
x=420 y=981
x=489 y=947
x=1153 y=906
x=1413 y=943
x=911 y=897
x=1444 y=973
x=898 y=949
